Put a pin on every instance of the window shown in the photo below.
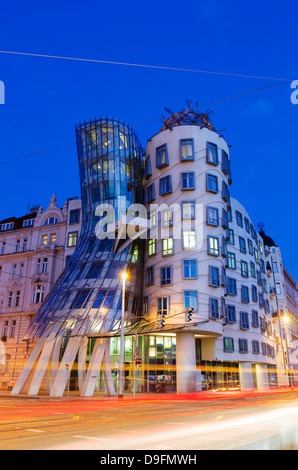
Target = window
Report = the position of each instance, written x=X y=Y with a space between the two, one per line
x=242 y=245
x=167 y=218
x=38 y=293
x=44 y=239
x=188 y=209
x=148 y=168
x=275 y=266
x=9 y=300
x=162 y=306
x=189 y=239
x=244 y=294
x=232 y=286
x=81 y=297
x=95 y=270
x=213 y=276
x=255 y=319
x=190 y=299
x=18 y=242
x=231 y=260
x=167 y=247
x=246 y=223
x=150 y=276
x=3 y=248
x=244 y=269
x=212 y=216
x=28 y=223
x=5 y=328
x=212 y=154
x=244 y=324
x=74 y=216
x=255 y=347
x=228 y=344
x=187 y=180
x=7 y=226
x=13 y=329
x=151 y=246
x=24 y=248
x=153 y=218
x=250 y=247
x=239 y=219
x=13 y=271
x=189 y=269
x=51 y=221
x=17 y=298
x=225 y=162
x=44 y=267
x=224 y=219
x=166 y=276
x=212 y=183
x=231 y=239
x=165 y=185
x=254 y=293
x=162 y=159
x=72 y=239
x=213 y=308
x=231 y=314
x=150 y=193
x=252 y=269
x=186 y=149
x=213 y=246
x=243 y=348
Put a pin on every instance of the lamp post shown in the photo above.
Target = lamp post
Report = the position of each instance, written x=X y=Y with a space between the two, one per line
x=121 y=362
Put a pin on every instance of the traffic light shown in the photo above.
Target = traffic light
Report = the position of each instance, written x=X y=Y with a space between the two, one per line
x=161 y=322
x=188 y=314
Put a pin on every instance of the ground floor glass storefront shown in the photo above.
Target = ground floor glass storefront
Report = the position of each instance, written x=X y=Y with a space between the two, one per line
x=157 y=370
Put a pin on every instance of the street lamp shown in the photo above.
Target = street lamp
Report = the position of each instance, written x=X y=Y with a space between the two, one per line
x=121 y=362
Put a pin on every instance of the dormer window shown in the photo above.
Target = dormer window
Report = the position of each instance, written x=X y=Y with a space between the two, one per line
x=28 y=223
x=7 y=226
x=51 y=221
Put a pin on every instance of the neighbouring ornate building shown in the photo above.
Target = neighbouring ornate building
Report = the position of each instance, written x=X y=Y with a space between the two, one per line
x=34 y=250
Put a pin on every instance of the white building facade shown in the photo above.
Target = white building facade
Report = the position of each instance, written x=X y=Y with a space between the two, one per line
x=212 y=260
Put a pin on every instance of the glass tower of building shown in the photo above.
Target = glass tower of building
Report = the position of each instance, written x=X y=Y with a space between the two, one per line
x=86 y=301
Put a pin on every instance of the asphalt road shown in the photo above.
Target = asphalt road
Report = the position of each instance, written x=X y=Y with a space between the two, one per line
x=266 y=421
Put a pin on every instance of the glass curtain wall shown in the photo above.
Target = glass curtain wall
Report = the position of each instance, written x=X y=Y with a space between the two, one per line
x=87 y=298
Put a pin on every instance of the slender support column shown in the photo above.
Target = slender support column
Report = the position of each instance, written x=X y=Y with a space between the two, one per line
x=62 y=375
x=107 y=370
x=186 y=363
x=246 y=376
x=262 y=376
x=93 y=369
x=29 y=367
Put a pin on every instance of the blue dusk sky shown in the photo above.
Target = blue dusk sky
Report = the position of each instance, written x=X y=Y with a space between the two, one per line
x=46 y=98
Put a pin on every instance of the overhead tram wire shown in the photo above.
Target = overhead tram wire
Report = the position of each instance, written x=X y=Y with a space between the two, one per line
x=161 y=67
x=145 y=122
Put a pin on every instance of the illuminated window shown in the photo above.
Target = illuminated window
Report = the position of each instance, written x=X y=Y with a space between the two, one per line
x=72 y=239
x=189 y=239
x=167 y=246
x=44 y=239
x=152 y=247
x=228 y=344
x=213 y=246
x=186 y=149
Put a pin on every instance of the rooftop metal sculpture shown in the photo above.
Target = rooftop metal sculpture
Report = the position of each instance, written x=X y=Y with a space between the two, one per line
x=187 y=116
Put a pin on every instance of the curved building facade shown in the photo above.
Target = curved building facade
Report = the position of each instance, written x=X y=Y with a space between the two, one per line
x=199 y=256
x=86 y=301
